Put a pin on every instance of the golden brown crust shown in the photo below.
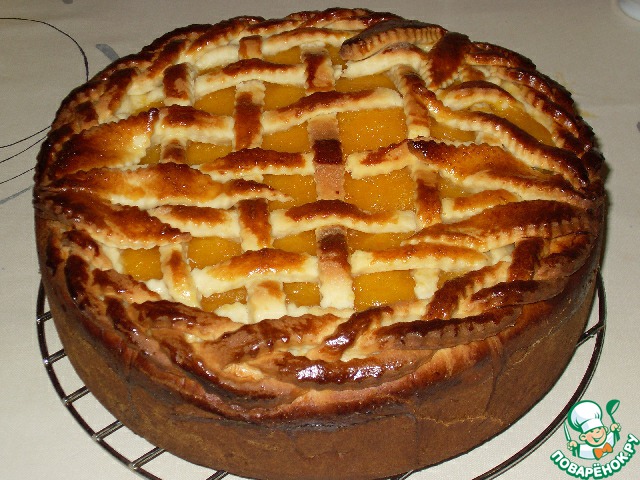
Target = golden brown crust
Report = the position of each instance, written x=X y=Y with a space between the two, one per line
x=497 y=201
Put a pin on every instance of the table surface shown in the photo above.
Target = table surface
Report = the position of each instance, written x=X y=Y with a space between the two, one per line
x=49 y=47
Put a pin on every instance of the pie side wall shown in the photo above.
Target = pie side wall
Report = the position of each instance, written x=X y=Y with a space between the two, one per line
x=441 y=421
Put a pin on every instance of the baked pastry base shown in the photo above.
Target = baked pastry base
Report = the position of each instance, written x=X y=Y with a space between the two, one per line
x=442 y=421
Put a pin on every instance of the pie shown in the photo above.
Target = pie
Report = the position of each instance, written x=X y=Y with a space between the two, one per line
x=340 y=244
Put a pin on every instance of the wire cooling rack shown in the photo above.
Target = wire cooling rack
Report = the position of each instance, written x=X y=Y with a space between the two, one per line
x=147 y=460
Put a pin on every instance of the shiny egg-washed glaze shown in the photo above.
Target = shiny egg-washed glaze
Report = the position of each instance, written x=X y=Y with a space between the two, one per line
x=528 y=215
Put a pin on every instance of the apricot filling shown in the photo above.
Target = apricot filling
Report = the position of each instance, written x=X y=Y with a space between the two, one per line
x=205 y=251
x=440 y=131
x=301 y=188
x=451 y=189
x=278 y=96
x=198 y=153
x=302 y=294
x=286 y=57
x=334 y=55
x=371 y=129
x=215 y=301
x=381 y=193
x=520 y=119
x=304 y=242
x=363 y=83
x=444 y=277
x=142 y=264
x=292 y=140
x=151 y=156
x=375 y=241
x=220 y=102
x=375 y=289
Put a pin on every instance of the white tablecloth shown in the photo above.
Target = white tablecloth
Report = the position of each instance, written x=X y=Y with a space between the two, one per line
x=48 y=47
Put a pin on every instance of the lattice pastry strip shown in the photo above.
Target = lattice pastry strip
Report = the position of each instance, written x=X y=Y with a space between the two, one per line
x=334 y=278
x=176 y=274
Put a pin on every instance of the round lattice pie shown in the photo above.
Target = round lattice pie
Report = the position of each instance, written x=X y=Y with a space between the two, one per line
x=335 y=245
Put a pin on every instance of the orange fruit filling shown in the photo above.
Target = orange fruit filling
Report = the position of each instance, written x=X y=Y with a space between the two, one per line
x=363 y=83
x=375 y=241
x=277 y=96
x=440 y=131
x=444 y=277
x=450 y=189
x=521 y=119
x=198 y=153
x=371 y=129
x=287 y=57
x=303 y=294
x=301 y=188
x=292 y=140
x=382 y=288
x=205 y=251
x=215 y=301
x=220 y=102
x=304 y=242
x=334 y=54
x=151 y=156
x=142 y=264
x=381 y=193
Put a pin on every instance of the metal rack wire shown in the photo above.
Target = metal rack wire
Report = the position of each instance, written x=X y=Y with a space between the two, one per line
x=140 y=463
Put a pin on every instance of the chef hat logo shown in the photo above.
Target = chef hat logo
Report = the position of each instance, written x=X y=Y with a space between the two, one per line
x=585 y=416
